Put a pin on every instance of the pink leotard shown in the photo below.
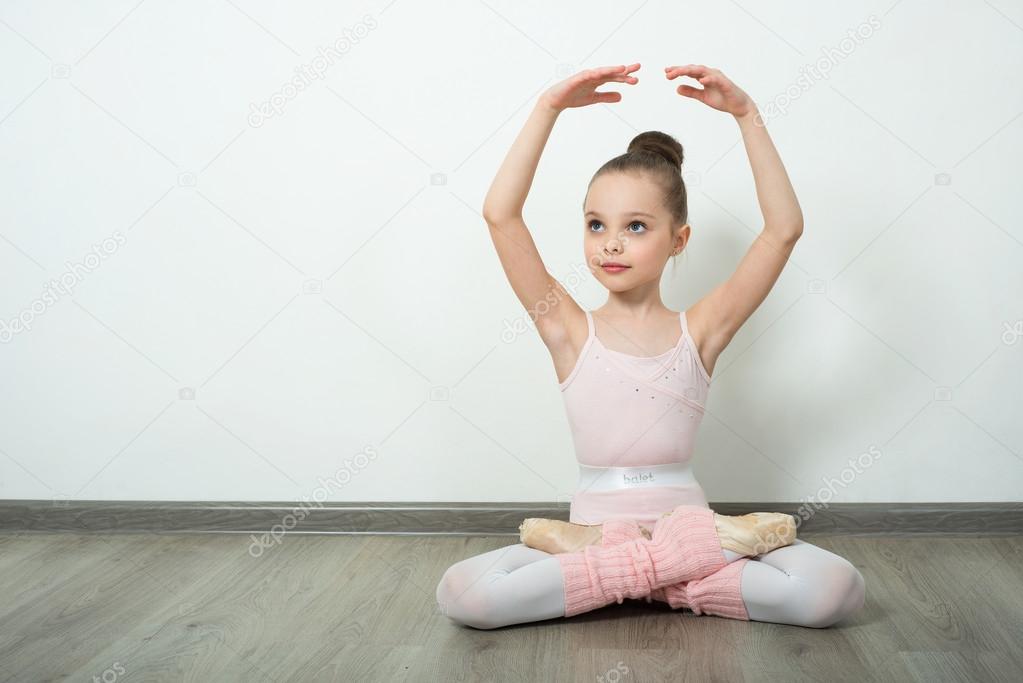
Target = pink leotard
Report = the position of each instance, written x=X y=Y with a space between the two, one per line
x=639 y=413
x=634 y=421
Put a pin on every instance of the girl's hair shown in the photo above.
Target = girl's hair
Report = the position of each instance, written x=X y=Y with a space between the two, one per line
x=660 y=155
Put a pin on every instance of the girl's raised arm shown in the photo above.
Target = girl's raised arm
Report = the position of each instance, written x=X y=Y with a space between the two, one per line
x=502 y=207
x=716 y=318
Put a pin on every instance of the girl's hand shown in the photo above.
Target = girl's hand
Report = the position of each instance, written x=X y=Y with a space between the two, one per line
x=718 y=92
x=581 y=89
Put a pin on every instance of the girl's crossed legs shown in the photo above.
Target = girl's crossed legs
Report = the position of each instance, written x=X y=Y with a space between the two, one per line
x=799 y=584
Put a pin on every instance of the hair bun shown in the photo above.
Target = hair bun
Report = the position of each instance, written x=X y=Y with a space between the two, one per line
x=661 y=144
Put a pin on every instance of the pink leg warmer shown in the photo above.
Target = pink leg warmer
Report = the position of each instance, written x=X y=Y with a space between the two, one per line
x=684 y=547
x=616 y=531
x=719 y=593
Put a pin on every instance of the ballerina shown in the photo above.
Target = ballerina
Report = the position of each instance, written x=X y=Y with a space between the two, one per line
x=634 y=407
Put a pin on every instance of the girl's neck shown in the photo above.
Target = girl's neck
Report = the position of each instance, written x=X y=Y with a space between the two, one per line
x=621 y=305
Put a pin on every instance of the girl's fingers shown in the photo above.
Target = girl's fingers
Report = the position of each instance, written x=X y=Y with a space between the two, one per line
x=626 y=68
x=604 y=72
x=594 y=77
x=607 y=96
x=611 y=71
x=612 y=78
x=690 y=91
x=721 y=83
x=694 y=70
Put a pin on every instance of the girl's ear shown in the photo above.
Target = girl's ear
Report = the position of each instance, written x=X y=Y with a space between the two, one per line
x=680 y=240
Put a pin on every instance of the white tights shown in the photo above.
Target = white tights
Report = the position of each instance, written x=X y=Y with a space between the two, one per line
x=800 y=584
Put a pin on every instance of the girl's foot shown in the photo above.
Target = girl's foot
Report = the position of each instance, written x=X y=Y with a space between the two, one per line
x=755 y=533
x=555 y=536
x=748 y=535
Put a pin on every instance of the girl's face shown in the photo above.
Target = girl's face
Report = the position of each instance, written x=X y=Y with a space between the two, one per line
x=626 y=223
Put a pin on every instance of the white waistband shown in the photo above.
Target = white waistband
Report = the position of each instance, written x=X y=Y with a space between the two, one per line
x=612 y=478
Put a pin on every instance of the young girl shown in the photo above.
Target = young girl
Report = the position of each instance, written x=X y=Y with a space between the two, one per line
x=640 y=526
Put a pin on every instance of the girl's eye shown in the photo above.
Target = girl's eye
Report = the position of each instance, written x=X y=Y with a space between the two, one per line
x=596 y=223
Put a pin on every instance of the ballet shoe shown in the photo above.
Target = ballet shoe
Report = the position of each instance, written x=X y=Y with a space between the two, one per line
x=751 y=534
x=755 y=533
x=621 y=529
x=555 y=536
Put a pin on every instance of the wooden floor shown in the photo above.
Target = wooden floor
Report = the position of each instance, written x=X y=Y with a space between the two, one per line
x=362 y=608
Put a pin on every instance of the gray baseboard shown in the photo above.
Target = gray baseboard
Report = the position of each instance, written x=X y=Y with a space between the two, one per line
x=140 y=516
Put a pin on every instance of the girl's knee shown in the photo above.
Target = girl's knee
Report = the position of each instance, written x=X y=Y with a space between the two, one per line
x=838 y=595
x=450 y=589
x=443 y=592
x=462 y=602
x=857 y=592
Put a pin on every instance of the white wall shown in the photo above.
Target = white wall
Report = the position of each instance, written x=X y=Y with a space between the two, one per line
x=307 y=278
